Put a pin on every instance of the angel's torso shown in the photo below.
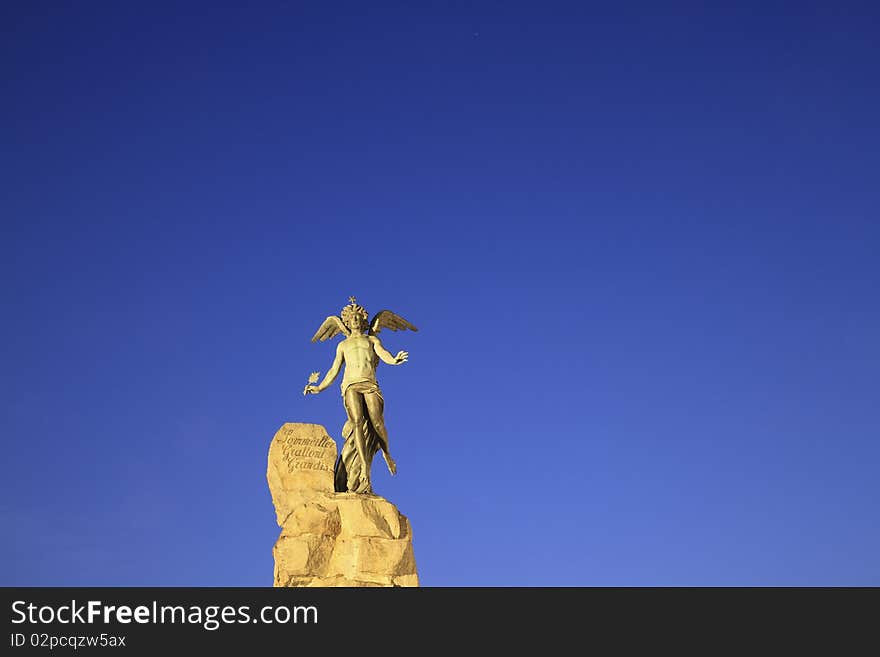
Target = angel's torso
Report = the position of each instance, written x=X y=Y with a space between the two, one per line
x=360 y=360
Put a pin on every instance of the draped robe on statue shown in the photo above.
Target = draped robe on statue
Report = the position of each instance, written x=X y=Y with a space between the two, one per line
x=349 y=474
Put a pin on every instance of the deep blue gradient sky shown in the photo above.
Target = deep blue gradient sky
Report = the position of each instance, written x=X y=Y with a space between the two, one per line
x=640 y=244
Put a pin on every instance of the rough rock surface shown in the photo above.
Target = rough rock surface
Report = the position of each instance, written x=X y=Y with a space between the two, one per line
x=327 y=538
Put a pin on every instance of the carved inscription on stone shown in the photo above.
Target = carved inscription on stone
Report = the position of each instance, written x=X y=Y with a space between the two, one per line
x=307 y=452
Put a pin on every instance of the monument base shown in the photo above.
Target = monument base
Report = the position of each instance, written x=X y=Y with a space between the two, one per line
x=327 y=538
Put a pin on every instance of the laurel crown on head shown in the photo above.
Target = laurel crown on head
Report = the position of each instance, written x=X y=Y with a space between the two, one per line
x=353 y=310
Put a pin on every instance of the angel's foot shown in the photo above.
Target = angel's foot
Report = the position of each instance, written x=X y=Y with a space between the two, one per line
x=360 y=484
x=392 y=466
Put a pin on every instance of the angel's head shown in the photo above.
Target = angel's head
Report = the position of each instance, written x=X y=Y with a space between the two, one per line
x=354 y=316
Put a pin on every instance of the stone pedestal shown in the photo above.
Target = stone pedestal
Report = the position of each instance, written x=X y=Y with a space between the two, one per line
x=328 y=538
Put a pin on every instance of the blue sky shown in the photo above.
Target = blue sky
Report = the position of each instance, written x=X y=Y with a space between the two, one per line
x=639 y=242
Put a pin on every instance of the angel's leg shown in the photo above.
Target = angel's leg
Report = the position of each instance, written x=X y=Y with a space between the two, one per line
x=375 y=407
x=356 y=415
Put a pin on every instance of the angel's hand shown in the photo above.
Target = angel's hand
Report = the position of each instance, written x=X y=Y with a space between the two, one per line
x=401 y=357
x=311 y=389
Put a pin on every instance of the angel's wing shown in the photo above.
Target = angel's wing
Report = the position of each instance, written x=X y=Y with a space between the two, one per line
x=389 y=320
x=331 y=327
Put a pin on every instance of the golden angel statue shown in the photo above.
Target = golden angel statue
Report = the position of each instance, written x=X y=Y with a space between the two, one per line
x=364 y=431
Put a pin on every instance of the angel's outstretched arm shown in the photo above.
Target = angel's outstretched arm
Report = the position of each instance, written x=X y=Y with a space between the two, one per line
x=385 y=355
x=331 y=375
